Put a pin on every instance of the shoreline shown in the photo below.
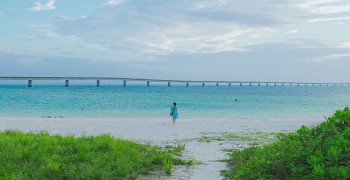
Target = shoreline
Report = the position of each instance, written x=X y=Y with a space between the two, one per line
x=149 y=129
x=154 y=131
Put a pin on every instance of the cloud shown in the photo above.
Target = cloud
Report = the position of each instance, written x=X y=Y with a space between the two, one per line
x=328 y=19
x=39 y=6
x=292 y=31
x=28 y=37
x=70 y=18
x=210 y=4
x=331 y=9
x=115 y=2
x=331 y=57
x=325 y=7
x=343 y=45
x=311 y=11
x=157 y=30
x=311 y=3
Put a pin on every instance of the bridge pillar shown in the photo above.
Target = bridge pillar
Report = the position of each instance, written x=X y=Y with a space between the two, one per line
x=250 y=84
x=30 y=83
x=169 y=84
x=217 y=84
x=98 y=83
x=124 y=83
x=203 y=84
x=282 y=84
x=67 y=83
x=147 y=83
x=275 y=84
x=187 y=84
x=258 y=84
x=240 y=84
x=298 y=84
x=229 y=84
x=267 y=84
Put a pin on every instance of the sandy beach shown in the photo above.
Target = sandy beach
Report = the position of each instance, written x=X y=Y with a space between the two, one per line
x=161 y=132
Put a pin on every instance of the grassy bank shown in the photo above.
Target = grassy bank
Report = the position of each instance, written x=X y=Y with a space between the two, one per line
x=40 y=155
x=321 y=152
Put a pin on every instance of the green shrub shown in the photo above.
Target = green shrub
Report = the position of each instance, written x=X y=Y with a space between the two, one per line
x=41 y=156
x=322 y=152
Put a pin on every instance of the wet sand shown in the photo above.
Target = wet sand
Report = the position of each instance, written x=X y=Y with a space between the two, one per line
x=161 y=132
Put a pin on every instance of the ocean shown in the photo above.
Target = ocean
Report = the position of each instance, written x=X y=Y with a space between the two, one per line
x=194 y=102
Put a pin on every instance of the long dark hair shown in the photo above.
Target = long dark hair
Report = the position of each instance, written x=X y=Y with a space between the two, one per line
x=174 y=104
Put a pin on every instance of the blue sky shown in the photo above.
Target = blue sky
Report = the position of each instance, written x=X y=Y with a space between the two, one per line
x=270 y=40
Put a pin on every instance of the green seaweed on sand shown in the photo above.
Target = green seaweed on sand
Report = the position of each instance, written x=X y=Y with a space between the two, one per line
x=257 y=137
x=44 y=156
x=208 y=138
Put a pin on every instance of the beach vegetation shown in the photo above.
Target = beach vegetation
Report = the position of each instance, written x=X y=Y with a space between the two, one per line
x=208 y=138
x=176 y=150
x=44 y=156
x=320 y=152
x=172 y=157
x=258 y=137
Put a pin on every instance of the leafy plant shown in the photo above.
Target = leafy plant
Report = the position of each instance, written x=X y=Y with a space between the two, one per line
x=309 y=153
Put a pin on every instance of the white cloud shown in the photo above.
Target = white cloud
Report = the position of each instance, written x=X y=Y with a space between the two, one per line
x=70 y=18
x=172 y=31
x=311 y=3
x=39 y=6
x=325 y=7
x=190 y=28
x=292 y=31
x=115 y=2
x=210 y=4
x=328 y=19
x=196 y=39
x=331 y=9
x=331 y=57
x=302 y=44
x=28 y=37
x=343 y=45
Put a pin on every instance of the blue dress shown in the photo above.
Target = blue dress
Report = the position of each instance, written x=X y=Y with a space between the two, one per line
x=174 y=110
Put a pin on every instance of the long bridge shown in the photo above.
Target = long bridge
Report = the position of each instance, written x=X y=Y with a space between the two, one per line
x=168 y=81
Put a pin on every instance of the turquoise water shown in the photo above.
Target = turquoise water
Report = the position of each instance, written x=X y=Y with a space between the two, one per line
x=207 y=102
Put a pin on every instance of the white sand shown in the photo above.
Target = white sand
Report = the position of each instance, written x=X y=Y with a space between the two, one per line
x=156 y=132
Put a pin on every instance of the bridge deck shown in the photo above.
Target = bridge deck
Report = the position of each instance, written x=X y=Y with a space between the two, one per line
x=30 y=79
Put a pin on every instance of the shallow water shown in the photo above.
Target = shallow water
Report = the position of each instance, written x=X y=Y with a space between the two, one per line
x=137 y=101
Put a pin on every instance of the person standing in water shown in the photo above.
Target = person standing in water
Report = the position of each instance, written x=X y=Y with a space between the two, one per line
x=173 y=112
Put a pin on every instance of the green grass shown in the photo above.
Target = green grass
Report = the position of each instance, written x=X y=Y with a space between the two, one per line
x=42 y=156
x=321 y=152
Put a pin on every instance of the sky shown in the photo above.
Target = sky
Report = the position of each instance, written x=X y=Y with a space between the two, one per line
x=238 y=40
